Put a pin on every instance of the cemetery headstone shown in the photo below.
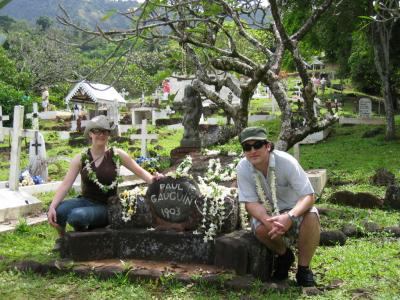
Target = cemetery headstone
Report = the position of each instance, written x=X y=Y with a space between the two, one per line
x=173 y=203
x=37 y=157
x=143 y=137
x=365 y=108
x=193 y=109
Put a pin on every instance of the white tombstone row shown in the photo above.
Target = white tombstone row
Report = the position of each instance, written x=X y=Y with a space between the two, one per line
x=364 y=108
x=2 y=118
x=143 y=137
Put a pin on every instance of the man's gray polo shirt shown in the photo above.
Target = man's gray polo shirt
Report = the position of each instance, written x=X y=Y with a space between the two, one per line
x=292 y=181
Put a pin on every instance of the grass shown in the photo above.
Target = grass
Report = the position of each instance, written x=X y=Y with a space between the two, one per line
x=367 y=267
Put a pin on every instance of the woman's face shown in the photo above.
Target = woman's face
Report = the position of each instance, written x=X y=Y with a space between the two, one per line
x=99 y=136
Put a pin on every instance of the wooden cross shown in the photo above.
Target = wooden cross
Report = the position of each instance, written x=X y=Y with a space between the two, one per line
x=17 y=133
x=143 y=136
x=34 y=116
x=2 y=118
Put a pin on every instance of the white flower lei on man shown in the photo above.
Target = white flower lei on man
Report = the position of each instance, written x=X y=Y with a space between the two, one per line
x=93 y=176
x=271 y=205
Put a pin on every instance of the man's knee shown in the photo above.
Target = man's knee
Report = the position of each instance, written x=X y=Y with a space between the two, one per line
x=311 y=219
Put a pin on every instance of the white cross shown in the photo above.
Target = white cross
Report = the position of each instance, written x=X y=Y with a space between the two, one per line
x=2 y=118
x=34 y=116
x=124 y=93
x=143 y=136
x=17 y=133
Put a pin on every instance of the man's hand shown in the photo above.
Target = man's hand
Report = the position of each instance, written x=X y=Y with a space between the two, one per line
x=280 y=224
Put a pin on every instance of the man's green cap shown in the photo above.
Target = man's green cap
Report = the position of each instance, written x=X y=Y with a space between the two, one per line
x=252 y=133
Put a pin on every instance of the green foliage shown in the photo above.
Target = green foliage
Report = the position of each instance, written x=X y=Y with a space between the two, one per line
x=361 y=62
x=22 y=227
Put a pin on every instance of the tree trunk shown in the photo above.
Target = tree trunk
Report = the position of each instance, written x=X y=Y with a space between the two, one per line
x=381 y=34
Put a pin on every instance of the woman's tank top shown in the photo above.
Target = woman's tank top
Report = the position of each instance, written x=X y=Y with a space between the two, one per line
x=105 y=173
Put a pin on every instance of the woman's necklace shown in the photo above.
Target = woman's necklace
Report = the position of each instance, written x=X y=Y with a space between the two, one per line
x=92 y=174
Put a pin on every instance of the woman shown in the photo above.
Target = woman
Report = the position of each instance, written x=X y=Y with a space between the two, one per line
x=99 y=170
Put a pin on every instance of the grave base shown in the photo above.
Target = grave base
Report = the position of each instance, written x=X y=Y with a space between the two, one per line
x=14 y=204
x=137 y=244
x=238 y=251
x=318 y=179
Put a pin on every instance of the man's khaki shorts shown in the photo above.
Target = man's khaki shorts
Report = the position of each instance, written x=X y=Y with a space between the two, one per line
x=291 y=236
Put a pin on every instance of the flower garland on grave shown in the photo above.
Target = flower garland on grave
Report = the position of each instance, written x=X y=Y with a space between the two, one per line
x=129 y=201
x=213 y=210
x=93 y=176
x=183 y=168
x=215 y=171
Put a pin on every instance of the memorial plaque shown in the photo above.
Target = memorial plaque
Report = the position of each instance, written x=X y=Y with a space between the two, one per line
x=174 y=201
x=365 y=107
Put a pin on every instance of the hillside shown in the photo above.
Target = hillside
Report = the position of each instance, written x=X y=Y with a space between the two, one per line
x=87 y=12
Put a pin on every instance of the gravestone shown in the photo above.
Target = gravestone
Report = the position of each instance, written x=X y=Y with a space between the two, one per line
x=193 y=109
x=37 y=156
x=2 y=118
x=364 y=108
x=174 y=203
x=14 y=203
x=143 y=137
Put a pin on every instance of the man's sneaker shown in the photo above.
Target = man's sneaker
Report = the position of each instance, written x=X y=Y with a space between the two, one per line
x=282 y=265
x=305 y=278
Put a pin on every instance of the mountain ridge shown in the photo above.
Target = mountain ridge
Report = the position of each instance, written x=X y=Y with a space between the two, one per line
x=84 y=12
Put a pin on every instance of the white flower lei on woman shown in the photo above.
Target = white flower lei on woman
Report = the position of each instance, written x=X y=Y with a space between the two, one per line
x=261 y=193
x=93 y=176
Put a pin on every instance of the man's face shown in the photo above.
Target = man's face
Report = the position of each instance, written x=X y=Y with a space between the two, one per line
x=257 y=152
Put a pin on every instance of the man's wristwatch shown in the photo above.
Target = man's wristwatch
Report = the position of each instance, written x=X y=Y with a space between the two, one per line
x=295 y=220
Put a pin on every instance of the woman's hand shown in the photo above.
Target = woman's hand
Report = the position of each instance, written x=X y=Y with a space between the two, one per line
x=157 y=176
x=52 y=217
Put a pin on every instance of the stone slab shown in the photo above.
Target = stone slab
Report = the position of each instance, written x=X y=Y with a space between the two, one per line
x=254 y=118
x=10 y=225
x=137 y=244
x=316 y=136
x=243 y=253
x=362 y=121
x=318 y=179
x=14 y=204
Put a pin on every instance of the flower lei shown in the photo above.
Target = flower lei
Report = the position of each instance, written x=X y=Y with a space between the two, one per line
x=183 y=168
x=213 y=210
x=129 y=201
x=93 y=176
x=270 y=204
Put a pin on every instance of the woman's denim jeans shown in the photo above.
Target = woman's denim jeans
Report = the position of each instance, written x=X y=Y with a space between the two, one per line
x=82 y=214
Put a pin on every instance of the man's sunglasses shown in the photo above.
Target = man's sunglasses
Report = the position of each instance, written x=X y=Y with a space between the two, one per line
x=257 y=145
x=100 y=131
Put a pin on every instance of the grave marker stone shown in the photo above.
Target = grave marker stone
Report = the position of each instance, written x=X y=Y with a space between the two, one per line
x=365 y=108
x=143 y=136
x=37 y=156
x=174 y=201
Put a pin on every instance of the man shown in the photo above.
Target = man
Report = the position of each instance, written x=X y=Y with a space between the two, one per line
x=280 y=198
